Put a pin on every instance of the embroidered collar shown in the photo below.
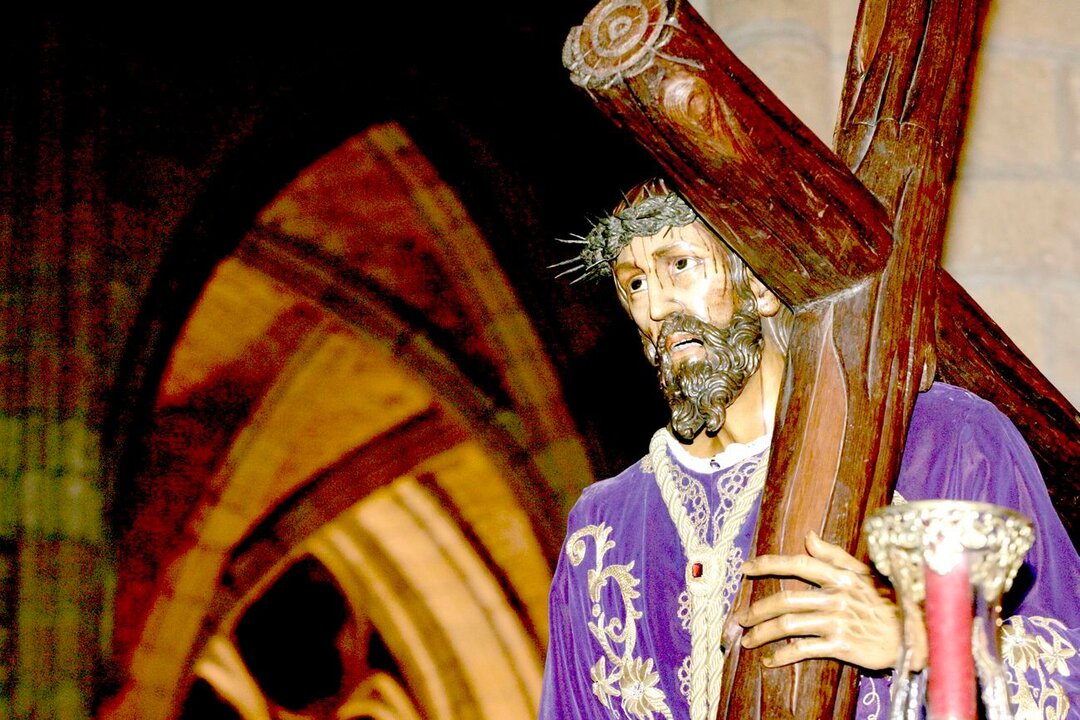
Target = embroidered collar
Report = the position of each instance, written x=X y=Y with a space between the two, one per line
x=708 y=568
x=731 y=455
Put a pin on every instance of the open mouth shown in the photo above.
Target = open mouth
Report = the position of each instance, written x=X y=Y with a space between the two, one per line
x=682 y=341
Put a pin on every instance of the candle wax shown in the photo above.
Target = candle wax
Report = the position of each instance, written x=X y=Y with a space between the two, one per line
x=949 y=617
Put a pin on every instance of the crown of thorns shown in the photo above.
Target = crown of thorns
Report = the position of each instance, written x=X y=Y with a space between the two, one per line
x=612 y=233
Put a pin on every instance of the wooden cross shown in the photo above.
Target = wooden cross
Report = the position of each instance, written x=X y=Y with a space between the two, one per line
x=851 y=241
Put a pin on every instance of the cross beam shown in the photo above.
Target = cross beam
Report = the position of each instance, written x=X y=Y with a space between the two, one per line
x=850 y=240
x=900 y=118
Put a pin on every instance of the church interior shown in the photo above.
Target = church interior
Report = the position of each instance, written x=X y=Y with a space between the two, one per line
x=294 y=404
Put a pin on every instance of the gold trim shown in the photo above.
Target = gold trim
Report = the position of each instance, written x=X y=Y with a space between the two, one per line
x=1036 y=645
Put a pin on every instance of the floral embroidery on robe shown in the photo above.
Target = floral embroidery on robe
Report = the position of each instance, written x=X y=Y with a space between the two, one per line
x=958 y=447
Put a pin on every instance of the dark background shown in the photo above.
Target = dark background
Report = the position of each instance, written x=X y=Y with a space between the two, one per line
x=480 y=89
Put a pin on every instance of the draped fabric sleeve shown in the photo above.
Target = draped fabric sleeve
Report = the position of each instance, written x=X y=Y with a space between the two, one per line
x=565 y=695
x=962 y=447
x=1041 y=635
x=568 y=691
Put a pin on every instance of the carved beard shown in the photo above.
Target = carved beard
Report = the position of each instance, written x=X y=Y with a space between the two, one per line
x=700 y=391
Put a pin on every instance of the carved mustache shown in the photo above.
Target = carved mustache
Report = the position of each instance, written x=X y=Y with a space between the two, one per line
x=699 y=391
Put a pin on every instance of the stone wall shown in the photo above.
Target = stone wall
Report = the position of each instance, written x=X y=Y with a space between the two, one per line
x=1014 y=235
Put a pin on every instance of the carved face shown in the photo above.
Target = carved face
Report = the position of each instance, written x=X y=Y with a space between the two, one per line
x=704 y=335
x=680 y=269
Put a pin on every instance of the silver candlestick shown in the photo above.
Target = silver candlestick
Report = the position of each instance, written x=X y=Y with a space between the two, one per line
x=950 y=562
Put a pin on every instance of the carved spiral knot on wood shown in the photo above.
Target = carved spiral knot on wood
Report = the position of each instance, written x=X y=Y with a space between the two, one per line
x=618 y=39
x=689 y=101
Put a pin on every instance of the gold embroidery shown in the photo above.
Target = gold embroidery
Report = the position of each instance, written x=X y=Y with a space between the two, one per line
x=729 y=488
x=685 y=679
x=1036 y=644
x=640 y=696
x=646 y=465
x=692 y=494
x=631 y=679
x=711 y=568
x=684 y=610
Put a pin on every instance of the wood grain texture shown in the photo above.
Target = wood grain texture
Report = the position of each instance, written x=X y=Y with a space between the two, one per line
x=764 y=181
x=789 y=207
x=900 y=129
x=902 y=115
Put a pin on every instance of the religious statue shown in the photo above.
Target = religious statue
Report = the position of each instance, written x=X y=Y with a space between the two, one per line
x=643 y=605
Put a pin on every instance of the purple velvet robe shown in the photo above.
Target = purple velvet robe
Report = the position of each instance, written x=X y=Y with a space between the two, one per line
x=623 y=651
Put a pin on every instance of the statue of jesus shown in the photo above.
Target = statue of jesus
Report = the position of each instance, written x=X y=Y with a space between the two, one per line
x=641 y=602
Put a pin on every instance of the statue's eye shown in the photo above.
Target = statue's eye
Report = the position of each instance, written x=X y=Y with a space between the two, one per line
x=682 y=264
x=636 y=285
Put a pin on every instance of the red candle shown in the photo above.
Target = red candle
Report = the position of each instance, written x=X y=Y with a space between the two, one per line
x=949 y=616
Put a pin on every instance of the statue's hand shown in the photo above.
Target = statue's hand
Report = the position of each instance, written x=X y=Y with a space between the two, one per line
x=846 y=617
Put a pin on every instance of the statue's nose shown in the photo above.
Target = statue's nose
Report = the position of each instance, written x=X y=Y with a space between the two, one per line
x=662 y=302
